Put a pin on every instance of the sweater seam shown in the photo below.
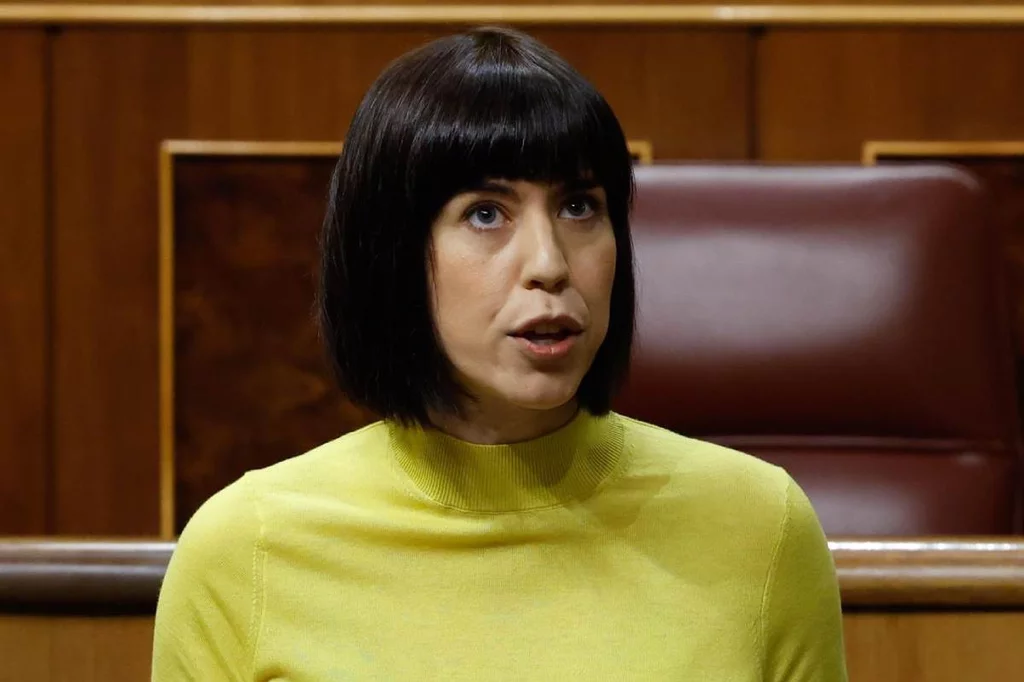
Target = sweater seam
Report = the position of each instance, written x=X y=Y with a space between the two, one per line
x=770 y=579
x=259 y=560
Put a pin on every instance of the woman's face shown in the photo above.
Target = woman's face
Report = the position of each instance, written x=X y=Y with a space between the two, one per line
x=522 y=280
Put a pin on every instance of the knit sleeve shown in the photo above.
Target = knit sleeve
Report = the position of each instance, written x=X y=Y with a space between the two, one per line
x=208 y=611
x=800 y=613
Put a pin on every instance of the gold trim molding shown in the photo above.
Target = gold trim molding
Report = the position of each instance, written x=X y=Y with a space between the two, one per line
x=570 y=15
x=878 y=150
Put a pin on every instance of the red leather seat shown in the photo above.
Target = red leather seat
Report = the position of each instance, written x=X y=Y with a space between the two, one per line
x=846 y=323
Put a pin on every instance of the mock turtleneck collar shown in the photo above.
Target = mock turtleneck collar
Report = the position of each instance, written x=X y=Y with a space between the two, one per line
x=564 y=465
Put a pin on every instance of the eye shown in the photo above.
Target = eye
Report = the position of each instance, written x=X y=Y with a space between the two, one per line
x=485 y=217
x=579 y=208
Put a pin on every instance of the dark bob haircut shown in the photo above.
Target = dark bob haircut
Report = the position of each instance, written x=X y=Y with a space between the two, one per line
x=488 y=103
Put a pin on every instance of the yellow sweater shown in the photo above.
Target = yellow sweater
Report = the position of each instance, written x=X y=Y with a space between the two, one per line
x=608 y=551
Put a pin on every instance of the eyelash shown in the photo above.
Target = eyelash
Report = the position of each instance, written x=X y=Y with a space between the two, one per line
x=479 y=205
x=595 y=205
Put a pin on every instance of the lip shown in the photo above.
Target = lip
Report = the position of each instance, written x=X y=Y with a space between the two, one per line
x=547 y=351
x=566 y=321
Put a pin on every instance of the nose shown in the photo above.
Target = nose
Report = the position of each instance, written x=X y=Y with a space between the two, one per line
x=544 y=260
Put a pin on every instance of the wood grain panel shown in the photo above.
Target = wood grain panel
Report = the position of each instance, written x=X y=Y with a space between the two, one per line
x=119 y=93
x=25 y=643
x=101 y=650
x=245 y=254
x=56 y=649
x=685 y=90
x=285 y=84
x=880 y=647
x=24 y=344
x=934 y=647
x=305 y=85
x=822 y=94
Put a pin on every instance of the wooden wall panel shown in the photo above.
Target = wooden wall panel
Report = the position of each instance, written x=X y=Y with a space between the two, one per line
x=116 y=95
x=823 y=93
x=24 y=337
x=880 y=647
x=687 y=91
x=245 y=260
x=120 y=92
x=285 y=84
x=75 y=649
x=305 y=85
x=934 y=647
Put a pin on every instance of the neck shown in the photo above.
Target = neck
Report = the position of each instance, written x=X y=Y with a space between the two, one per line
x=566 y=464
x=489 y=425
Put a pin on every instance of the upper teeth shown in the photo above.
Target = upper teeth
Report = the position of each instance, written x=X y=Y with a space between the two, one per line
x=547 y=328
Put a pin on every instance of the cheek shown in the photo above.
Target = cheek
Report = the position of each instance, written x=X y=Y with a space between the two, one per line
x=595 y=278
x=466 y=292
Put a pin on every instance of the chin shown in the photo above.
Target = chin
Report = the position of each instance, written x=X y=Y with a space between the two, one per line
x=544 y=395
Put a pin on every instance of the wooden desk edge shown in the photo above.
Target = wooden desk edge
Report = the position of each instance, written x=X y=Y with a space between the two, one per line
x=932 y=572
x=873 y=573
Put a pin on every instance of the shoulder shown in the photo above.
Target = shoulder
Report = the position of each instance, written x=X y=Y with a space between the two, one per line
x=708 y=492
x=234 y=518
x=220 y=538
x=714 y=469
x=801 y=611
x=754 y=526
x=325 y=466
x=208 y=607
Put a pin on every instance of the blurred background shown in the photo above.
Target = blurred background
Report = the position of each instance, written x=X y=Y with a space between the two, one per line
x=163 y=172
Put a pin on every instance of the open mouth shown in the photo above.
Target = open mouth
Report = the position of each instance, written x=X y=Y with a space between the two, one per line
x=549 y=337
x=546 y=338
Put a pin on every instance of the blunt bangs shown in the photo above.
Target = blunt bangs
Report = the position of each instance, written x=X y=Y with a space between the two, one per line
x=486 y=104
x=500 y=120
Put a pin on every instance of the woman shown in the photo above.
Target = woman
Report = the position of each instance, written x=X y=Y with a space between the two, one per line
x=499 y=523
